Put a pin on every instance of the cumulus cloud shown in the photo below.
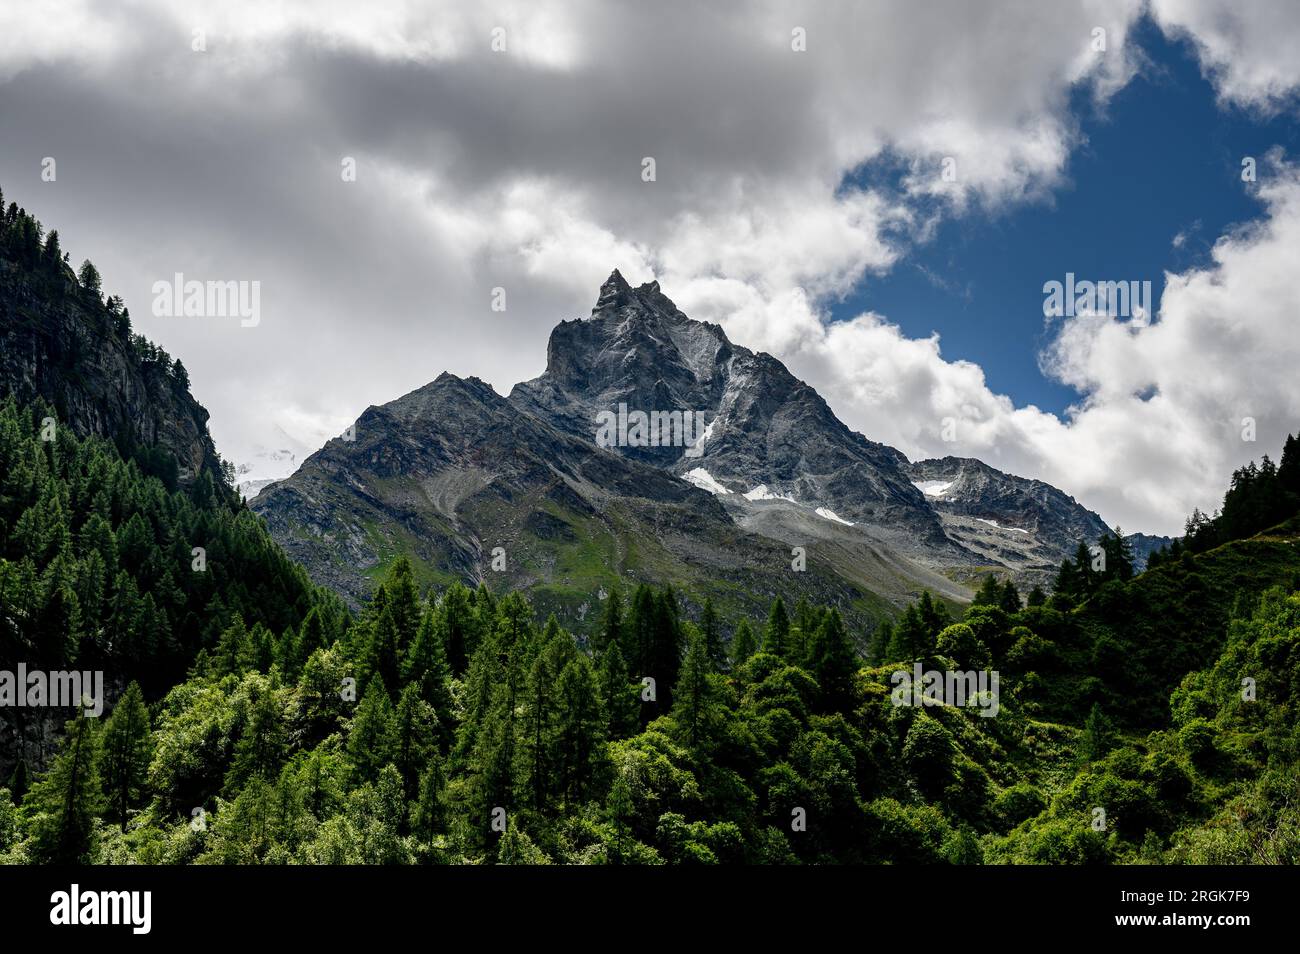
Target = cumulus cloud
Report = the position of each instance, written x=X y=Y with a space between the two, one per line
x=1247 y=49
x=1168 y=404
x=784 y=180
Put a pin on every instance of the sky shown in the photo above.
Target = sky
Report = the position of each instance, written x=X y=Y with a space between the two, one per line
x=877 y=194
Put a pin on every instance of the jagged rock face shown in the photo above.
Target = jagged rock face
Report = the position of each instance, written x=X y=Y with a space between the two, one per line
x=765 y=426
x=451 y=472
x=1024 y=524
x=59 y=346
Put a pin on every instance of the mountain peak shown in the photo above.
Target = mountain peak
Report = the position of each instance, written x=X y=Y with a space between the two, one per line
x=613 y=293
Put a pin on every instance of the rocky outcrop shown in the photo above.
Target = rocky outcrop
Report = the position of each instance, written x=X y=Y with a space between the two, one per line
x=61 y=344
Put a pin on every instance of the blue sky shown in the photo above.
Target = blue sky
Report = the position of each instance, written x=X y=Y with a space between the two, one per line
x=1162 y=158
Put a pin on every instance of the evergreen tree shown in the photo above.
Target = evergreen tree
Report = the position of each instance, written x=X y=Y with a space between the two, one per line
x=62 y=806
x=88 y=275
x=910 y=639
x=429 y=816
x=415 y=736
x=127 y=749
x=694 y=692
x=989 y=593
x=1098 y=736
x=743 y=643
x=580 y=734
x=934 y=619
x=711 y=629
x=371 y=742
x=834 y=663
x=618 y=693
x=457 y=621
x=776 y=635
x=611 y=622
x=878 y=647
x=426 y=667
x=1010 y=597
x=262 y=746
x=538 y=745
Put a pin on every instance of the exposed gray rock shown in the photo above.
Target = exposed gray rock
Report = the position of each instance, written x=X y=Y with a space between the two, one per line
x=59 y=344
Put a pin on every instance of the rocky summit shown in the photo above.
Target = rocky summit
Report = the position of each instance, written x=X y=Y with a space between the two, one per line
x=653 y=448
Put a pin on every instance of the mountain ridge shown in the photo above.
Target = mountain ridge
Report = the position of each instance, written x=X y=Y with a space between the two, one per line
x=452 y=469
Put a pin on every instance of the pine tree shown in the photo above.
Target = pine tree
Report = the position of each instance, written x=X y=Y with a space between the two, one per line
x=640 y=632
x=429 y=817
x=263 y=744
x=382 y=660
x=426 y=666
x=803 y=625
x=581 y=731
x=668 y=643
x=743 y=643
x=934 y=619
x=834 y=663
x=311 y=635
x=88 y=275
x=415 y=736
x=1098 y=736
x=618 y=693
x=989 y=593
x=402 y=605
x=537 y=749
x=611 y=622
x=62 y=806
x=127 y=749
x=371 y=741
x=458 y=624
x=908 y=640
x=1288 y=471
x=1010 y=597
x=776 y=635
x=18 y=780
x=694 y=692
x=878 y=647
x=711 y=629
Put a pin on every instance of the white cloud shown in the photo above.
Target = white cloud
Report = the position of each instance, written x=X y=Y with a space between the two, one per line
x=1247 y=49
x=1159 y=427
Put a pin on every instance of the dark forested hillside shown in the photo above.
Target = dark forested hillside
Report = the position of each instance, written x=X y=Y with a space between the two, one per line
x=123 y=548
x=66 y=344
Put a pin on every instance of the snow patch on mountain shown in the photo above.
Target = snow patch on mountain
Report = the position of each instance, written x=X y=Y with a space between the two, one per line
x=996 y=526
x=704 y=480
x=263 y=465
x=697 y=448
x=762 y=493
x=933 y=488
x=832 y=515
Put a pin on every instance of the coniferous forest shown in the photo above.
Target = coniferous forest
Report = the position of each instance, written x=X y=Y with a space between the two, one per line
x=255 y=720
